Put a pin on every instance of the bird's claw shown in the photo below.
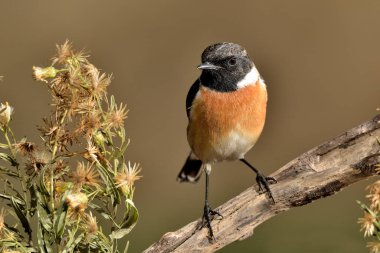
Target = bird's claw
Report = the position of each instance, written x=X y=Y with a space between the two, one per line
x=208 y=215
x=264 y=183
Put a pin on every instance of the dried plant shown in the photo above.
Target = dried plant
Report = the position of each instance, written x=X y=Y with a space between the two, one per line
x=79 y=176
x=370 y=222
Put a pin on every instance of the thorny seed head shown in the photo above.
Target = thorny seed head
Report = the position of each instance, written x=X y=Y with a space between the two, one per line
x=92 y=152
x=115 y=118
x=90 y=226
x=98 y=82
x=374 y=195
x=367 y=224
x=60 y=166
x=90 y=124
x=85 y=174
x=36 y=162
x=64 y=52
x=374 y=247
x=126 y=178
x=86 y=106
x=77 y=203
x=61 y=79
x=48 y=129
x=25 y=147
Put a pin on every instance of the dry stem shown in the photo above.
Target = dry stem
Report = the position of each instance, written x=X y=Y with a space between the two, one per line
x=320 y=172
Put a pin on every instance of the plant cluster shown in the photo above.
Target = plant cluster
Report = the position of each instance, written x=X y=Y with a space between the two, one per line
x=59 y=190
x=370 y=222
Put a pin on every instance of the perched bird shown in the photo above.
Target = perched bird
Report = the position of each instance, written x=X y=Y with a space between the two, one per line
x=226 y=108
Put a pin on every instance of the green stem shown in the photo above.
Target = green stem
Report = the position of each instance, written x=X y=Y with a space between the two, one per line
x=53 y=154
x=13 y=136
x=55 y=147
x=5 y=132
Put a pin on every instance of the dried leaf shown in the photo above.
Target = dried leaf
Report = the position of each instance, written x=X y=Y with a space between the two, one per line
x=60 y=222
x=21 y=215
x=130 y=219
x=8 y=158
x=70 y=245
x=9 y=197
x=107 y=178
x=43 y=243
x=8 y=172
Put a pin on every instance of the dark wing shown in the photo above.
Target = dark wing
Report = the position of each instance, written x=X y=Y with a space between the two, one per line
x=191 y=95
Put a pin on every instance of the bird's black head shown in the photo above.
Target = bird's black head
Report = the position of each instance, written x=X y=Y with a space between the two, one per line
x=224 y=65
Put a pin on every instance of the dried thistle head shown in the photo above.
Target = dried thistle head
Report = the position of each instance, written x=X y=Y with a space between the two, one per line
x=25 y=147
x=116 y=116
x=64 y=52
x=90 y=123
x=60 y=167
x=86 y=106
x=85 y=174
x=49 y=129
x=92 y=152
x=61 y=79
x=98 y=82
x=36 y=162
x=374 y=195
x=374 y=247
x=126 y=178
x=90 y=226
x=367 y=224
x=77 y=203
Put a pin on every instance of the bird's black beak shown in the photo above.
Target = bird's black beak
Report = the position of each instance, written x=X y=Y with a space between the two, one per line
x=208 y=65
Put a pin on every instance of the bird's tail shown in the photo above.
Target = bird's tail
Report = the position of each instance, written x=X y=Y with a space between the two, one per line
x=191 y=170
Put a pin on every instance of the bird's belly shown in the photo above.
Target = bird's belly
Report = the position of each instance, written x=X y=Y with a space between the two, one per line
x=225 y=126
x=232 y=147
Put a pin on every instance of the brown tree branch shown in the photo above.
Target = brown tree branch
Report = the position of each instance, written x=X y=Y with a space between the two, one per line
x=318 y=173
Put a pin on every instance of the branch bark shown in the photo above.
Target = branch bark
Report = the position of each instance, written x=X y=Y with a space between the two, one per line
x=320 y=172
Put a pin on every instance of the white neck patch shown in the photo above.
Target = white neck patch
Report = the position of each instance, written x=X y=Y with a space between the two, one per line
x=249 y=79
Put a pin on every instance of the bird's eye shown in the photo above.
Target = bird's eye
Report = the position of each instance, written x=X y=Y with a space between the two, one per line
x=232 y=61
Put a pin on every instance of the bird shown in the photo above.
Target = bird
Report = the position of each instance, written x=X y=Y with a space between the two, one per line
x=226 y=110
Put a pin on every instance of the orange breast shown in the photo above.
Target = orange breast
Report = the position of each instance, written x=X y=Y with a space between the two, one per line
x=225 y=125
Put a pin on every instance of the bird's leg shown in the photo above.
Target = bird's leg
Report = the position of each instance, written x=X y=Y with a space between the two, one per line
x=261 y=180
x=208 y=213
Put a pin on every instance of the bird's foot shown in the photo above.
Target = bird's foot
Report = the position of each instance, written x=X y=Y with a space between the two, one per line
x=264 y=183
x=208 y=215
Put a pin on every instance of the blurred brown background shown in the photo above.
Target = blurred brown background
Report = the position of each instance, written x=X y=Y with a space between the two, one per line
x=320 y=60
